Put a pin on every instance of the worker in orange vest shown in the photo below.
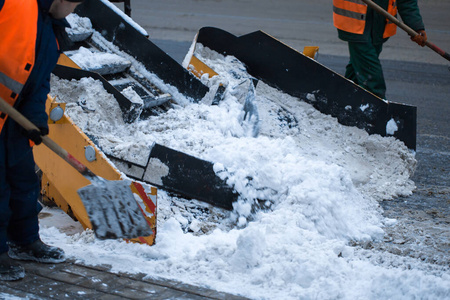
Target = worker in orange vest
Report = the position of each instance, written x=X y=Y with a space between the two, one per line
x=365 y=30
x=32 y=34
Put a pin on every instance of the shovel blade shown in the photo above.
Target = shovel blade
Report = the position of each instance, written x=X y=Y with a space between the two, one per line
x=113 y=210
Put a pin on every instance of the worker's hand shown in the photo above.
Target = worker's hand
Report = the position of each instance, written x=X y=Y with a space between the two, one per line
x=36 y=135
x=421 y=38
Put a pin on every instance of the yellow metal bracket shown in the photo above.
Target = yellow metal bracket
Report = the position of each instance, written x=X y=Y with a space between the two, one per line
x=311 y=51
x=60 y=181
x=66 y=61
x=199 y=68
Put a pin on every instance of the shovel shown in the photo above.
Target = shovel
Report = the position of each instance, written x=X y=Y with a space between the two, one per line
x=405 y=27
x=110 y=205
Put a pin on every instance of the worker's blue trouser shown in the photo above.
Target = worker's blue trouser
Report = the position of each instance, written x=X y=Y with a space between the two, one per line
x=19 y=191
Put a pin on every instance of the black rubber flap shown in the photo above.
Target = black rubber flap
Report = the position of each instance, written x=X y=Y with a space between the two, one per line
x=193 y=177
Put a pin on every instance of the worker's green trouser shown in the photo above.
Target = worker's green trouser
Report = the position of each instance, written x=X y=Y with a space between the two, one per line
x=364 y=67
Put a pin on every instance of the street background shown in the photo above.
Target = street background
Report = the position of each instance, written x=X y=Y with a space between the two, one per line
x=296 y=23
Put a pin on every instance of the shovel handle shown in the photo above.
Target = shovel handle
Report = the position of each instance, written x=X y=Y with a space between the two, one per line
x=405 y=27
x=27 y=125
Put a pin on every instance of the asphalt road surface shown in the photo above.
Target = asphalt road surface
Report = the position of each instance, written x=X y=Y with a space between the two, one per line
x=297 y=23
x=415 y=75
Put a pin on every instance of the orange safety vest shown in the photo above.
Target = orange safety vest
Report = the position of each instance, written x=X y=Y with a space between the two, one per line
x=18 y=28
x=350 y=16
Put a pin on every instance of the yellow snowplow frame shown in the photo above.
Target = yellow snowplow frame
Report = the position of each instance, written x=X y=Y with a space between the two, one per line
x=60 y=181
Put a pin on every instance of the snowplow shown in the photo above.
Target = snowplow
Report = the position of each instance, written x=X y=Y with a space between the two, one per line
x=143 y=81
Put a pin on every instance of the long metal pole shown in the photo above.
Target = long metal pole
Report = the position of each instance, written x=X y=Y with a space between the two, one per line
x=405 y=27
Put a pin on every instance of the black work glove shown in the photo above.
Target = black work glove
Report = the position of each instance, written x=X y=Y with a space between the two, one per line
x=36 y=135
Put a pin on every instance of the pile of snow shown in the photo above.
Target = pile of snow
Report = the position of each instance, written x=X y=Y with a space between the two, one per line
x=81 y=24
x=80 y=28
x=318 y=184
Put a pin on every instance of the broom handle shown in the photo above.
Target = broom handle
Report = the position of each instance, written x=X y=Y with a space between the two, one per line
x=27 y=125
x=405 y=27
